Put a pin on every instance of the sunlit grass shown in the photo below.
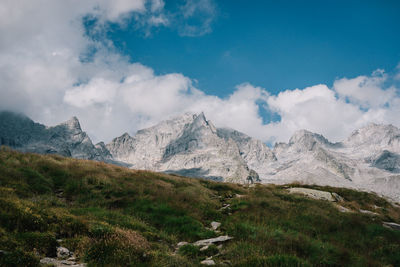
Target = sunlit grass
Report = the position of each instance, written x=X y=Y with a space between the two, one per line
x=109 y=215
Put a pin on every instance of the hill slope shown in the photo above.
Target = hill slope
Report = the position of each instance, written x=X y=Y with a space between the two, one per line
x=110 y=215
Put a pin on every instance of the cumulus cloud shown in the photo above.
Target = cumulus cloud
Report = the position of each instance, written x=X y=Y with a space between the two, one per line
x=365 y=91
x=43 y=75
x=335 y=112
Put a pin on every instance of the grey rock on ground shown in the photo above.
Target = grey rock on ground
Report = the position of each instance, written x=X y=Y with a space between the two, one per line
x=215 y=225
x=392 y=225
x=63 y=253
x=61 y=263
x=312 y=193
x=208 y=262
x=206 y=242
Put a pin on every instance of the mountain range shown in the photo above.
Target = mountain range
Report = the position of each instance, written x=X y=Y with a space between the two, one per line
x=190 y=145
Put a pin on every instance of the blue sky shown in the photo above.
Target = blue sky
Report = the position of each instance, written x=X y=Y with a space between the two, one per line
x=274 y=44
x=265 y=68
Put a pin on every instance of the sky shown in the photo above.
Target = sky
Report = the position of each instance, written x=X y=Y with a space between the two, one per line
x=266 y=68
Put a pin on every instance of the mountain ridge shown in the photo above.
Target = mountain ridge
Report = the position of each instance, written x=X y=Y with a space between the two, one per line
x=190 y=145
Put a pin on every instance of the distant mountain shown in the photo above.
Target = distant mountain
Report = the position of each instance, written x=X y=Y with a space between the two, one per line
x=187 y=145
x=369 y=160
x=191 y=145
x=66 y=139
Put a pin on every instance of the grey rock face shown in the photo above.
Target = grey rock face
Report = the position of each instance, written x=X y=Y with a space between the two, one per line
x=66 y=139
x=187 y=145
x=386 y=160
x=368 y=160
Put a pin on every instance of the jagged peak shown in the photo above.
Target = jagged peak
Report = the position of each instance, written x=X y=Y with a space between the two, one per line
x=100 y=144
x=373 y=133
x=303 y=135
x=201 y=116
x=375 y=127
x=200 y=121
x=72 y=124
x=125 y=135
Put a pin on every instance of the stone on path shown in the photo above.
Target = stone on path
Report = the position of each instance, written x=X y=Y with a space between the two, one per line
x=206 y=242
x=215 y=225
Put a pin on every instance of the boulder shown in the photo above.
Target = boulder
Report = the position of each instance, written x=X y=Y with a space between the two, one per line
x=313 y=193
x=215 y=225
x=63 y=253
x=206 y=242
x=208 y=262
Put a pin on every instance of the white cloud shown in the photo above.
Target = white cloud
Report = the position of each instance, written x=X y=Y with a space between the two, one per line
x=97 y=91
x=42 y=75
x=365 y=91
x=335 y=112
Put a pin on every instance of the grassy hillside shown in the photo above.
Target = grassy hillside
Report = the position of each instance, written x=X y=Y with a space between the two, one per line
x=114 y=216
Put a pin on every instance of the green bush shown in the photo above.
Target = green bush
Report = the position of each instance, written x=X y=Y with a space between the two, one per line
x=117 y=248
x=190 y=251
x=210 y=251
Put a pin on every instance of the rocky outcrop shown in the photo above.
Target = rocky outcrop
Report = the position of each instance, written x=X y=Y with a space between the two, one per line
x=66 y=139
x=392 y=225
x=315 y=194
x=210 y=241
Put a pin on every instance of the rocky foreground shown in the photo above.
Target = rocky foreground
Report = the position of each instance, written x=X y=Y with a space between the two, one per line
x=64 y=211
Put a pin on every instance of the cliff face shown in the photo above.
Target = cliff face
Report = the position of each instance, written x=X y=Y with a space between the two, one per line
x=187 y=145
x=66 y=139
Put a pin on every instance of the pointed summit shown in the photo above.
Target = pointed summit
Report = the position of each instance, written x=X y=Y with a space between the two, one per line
x=376 y=134
x=305 y=140
x=73 y=124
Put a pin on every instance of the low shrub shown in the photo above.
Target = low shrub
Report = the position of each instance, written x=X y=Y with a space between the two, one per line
x=116 y=247
x=190 y=251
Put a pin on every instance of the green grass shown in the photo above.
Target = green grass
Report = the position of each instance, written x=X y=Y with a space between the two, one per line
x=113 y=216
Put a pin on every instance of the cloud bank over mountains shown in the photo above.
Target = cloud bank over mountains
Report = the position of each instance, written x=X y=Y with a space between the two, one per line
x=50 y=69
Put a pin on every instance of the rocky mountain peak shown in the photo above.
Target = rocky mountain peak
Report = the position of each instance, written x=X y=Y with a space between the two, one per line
x=375 y=137
x=72 y=124
x=201 y=123
x=191 y=145
x=306 y=140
